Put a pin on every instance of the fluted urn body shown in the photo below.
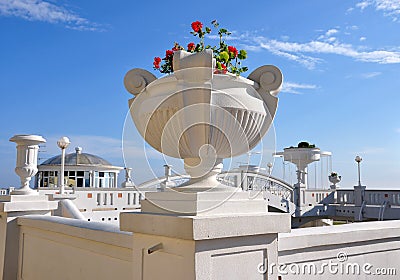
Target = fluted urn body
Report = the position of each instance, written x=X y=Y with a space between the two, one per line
x=26 y=165
x=203 y=117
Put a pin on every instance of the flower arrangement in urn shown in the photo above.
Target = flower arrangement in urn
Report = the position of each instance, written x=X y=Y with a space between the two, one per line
x=197 y=114
x=228 y=58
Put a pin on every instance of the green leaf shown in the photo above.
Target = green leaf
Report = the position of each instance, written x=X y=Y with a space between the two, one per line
x=242 y=54
x=224 y=56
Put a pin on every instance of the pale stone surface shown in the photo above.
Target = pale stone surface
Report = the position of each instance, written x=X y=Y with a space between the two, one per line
x=230 y=201
x=203 y=247
x=61 y=248
x=11 y=207
x=374 y=243
x=200 y=227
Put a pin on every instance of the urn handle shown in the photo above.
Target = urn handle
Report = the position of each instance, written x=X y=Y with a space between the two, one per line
x=269 y=78
x=137 y=79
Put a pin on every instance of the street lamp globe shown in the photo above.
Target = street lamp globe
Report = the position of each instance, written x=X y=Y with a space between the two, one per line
x=63 y=142
x=358 y=159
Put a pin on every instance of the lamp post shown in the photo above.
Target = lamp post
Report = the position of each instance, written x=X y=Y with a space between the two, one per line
x=358 y=159
x=62 y=143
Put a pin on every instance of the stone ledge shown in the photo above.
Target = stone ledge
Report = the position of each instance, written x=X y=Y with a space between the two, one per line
x=205 y=227
x=342 y=234
x=96 y=231
x=23 y=203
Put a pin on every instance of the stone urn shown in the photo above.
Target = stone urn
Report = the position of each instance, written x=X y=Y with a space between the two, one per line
x=334 y=179
x=200 y=116
x=26 y=165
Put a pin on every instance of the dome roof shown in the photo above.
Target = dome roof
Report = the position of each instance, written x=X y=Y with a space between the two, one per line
x=77 y=158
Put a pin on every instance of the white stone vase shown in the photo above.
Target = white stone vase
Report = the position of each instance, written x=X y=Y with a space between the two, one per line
x=26 y=166
x=334 y=180
x=202 y=117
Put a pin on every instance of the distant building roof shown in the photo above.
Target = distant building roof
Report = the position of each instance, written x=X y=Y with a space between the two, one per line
x=77 y=158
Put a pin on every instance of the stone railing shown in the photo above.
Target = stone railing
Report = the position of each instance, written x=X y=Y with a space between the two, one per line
x=61 y=248
x=354 y=251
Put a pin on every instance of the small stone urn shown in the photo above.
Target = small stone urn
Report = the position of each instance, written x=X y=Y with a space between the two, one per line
x=201 y=116
x=27 y=155
x=334 y=179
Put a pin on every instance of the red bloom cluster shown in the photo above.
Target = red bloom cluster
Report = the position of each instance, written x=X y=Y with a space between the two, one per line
x=191 y=47
x=233 y=50
x=157 y=62
x=169 y=54
x=223 y=67
x=227 y=58
x=197 y=26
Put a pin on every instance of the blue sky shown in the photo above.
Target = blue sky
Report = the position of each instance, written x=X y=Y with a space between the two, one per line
x=62 y=65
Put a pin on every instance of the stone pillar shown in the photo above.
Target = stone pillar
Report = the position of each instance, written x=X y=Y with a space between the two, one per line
x=12 y=207
x=22 y=201
x=207 y=235
x=359 y=202
x=299 y=191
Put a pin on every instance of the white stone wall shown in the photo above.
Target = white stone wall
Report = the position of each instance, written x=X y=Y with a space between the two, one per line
x=61 y=248
x=352 y=251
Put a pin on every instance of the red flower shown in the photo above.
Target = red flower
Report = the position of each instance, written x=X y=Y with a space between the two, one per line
x=169 y=53
x=156 y=62
x=233 y=50
x=191 y=47
x=223 y=69
x=197 y=26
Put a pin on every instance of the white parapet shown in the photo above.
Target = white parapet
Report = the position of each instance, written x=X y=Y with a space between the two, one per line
x=12 y=207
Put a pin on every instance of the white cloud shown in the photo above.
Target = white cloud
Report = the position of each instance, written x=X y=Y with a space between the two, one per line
x=390 y=8
x=296 y=88
x=304 y=53
x=352 y=27
x=38 y=10
x=330 y=32
x=363 y=4
x=363 y=39
x=370 y=75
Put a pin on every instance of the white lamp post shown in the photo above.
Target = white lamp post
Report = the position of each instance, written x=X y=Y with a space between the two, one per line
x=62 y=143
x=358 y=159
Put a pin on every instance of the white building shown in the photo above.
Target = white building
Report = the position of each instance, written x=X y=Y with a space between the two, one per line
x=82 y=170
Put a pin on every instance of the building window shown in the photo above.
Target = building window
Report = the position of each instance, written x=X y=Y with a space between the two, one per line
x=48 y=179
